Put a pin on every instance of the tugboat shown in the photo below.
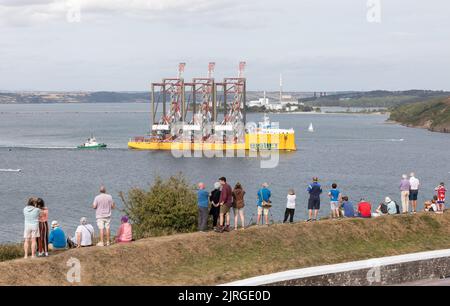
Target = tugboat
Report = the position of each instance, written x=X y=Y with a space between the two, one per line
x=91 y=143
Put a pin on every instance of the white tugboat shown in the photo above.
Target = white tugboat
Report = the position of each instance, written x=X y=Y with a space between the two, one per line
x=91 y=143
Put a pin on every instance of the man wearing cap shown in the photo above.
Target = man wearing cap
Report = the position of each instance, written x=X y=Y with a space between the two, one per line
x=314 y=190
x=263 y=196
x=57 y=238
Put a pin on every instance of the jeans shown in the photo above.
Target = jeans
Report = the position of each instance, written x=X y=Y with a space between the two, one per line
x=203 y=218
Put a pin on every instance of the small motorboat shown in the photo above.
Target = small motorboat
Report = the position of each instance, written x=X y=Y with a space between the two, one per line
x=10 y=170
x=91 y=143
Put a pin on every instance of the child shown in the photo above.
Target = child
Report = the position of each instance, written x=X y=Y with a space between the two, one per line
x=441 y=196
x=42 y=241
x=335 y=198
x=125 y=233
x=290 y=206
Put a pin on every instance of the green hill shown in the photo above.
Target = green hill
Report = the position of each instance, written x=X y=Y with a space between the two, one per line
x=433 y=115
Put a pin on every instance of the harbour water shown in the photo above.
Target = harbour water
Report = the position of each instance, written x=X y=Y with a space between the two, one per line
x=362 y=153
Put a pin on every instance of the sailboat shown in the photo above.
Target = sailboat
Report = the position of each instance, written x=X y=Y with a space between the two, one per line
x=311 y=128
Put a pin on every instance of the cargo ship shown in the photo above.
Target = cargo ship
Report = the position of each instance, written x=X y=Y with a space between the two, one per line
x=216 y=122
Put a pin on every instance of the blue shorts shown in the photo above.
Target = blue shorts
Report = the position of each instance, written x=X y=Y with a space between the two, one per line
x=413 y=195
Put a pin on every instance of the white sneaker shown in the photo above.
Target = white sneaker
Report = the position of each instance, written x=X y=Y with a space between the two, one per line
x=46 y=254
x=100 y=244
x=108 y=243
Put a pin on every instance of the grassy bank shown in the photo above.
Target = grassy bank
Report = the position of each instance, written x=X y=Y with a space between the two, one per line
x=433 y=115
x=10 y=251
x=211 y=258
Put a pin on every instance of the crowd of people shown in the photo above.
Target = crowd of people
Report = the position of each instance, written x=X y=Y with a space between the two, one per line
x=218 y=204
x=39 y=239
x=223 y=199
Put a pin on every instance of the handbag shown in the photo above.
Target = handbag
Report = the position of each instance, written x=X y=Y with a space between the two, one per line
x=265 y=204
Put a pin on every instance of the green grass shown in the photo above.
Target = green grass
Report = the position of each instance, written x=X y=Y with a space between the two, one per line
x=432 y=114
x=10 y=251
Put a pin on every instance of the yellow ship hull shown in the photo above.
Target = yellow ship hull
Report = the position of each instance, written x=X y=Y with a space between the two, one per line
x=253 y=142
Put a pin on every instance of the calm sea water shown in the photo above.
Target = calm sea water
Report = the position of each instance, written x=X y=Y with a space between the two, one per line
x=362 y=153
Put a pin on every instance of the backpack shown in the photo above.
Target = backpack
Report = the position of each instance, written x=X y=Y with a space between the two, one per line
x=384 y=208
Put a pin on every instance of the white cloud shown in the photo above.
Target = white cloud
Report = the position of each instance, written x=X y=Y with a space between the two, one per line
x=28 y=12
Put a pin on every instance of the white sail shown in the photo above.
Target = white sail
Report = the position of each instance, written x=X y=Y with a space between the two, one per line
x=311 y=128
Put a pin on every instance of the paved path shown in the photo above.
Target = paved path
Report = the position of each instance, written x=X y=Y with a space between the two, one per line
x=429 y=282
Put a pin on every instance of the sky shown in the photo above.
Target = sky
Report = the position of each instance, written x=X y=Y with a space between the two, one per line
x=317 y=45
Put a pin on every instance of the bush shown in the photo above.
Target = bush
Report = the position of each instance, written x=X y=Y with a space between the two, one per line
x=168 y=207
x=10 y=251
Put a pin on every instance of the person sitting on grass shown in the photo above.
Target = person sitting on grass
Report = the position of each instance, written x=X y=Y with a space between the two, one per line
x=125 y=232
x=381 y=210
x=364 y=209
x=431 y=206
x=348 y=211
x=57 y=239
x=31 y=232
x=84 y=235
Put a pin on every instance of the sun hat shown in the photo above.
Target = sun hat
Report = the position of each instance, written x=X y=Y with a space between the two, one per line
x=55 y=223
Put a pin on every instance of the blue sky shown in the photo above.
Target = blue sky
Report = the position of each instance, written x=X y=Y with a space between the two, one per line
x=317 y=45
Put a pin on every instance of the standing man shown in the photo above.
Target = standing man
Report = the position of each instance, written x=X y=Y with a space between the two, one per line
x=103 y=204
x=314 y=190
x=414 y=191
x=203 y=202
x=263 y=203
x=405 y=186
x=225 y=202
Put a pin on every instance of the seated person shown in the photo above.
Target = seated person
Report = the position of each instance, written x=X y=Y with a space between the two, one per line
x=431 y=206
x=348 y=211
x=84 y=235
x=391 y=206
x=56 y=239
x=125 y=232
x=381 y=210
x=364 y=209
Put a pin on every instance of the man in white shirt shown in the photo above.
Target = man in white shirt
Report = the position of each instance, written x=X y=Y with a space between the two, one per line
x=84 y=234
x=414 y=191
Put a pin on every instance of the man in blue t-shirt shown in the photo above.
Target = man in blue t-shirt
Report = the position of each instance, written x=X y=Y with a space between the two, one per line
x=203 y=203
x=335 y=198
x=314 y=190
x=263 y=195
x=57 y=239
x=347 y=207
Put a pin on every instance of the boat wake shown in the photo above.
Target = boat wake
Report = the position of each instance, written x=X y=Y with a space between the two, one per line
x=37 y=147
x=367 y=139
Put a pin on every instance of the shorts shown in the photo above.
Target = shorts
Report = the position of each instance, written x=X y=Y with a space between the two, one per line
x=263 y=211
x=31 y=232
x=314 y=204
x=441 y=202
x=334 y=205
x=413 y=195
x=224 y=209
x=237 y=210
x=103 y=223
